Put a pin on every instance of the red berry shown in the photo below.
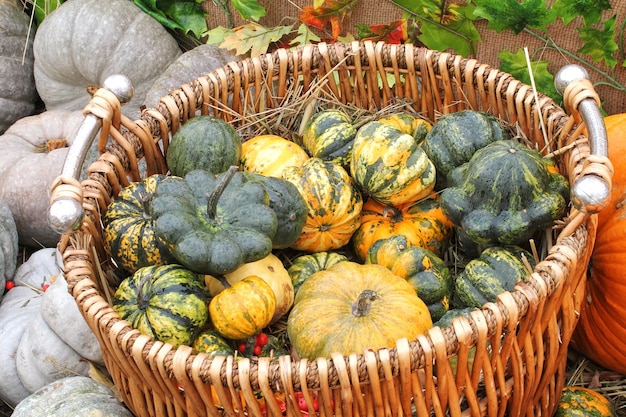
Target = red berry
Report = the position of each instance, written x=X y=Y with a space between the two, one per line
x=257 y=350
x=44 y=287
x=9 y=285
x=262 y=339
x=242 y=347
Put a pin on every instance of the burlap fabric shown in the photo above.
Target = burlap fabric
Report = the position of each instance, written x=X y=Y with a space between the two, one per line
x=384 y=11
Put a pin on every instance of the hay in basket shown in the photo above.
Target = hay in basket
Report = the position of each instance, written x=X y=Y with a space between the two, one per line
x=520 y=340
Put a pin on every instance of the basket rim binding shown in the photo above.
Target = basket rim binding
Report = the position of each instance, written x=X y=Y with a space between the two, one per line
x=136 y=139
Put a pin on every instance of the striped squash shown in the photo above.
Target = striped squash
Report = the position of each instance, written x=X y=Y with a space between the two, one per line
x=422 y=223
x=424 y=270
x=409 y=124
x=306 y=265
x=212 y=343
x=270 y=155
x=244 y=309
x=129 y=233
x=168 y=303
x=390 y=166
x=456 y=136
x=329 y=135
x=496 y=270
x=334 y=205
x=578 y=401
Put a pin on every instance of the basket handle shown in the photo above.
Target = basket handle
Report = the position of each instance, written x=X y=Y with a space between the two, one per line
x=590 y=192
x=66 y=211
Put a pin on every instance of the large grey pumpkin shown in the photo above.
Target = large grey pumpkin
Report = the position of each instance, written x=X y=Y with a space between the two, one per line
x=43 y=336
x=72 y=396
x=8 y=245
x=32 y=155
x=82 y=42
x=18 y=94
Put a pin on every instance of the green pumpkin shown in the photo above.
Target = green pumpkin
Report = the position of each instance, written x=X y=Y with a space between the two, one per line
x=214 y=223
x=496 y=270
x=304 y=266
x=506 y=193
x=204 y=142
x=212 y=343
x=424 y=270
x=455 y=137
x=329 y=135
x=579 y=401
x=129 y=233
x=390 y=166
x=288 y=204
x=168 y=303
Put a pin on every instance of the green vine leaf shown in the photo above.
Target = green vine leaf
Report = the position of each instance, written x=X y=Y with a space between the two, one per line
x=600 y=44
x=443 y=25
x=590 y=10
x=249 y=9
x=184 y=15
x=515 y=15
x=516 y=65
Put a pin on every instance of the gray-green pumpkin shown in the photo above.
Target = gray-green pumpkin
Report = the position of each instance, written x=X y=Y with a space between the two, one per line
x=204 y=142
x=505 y=194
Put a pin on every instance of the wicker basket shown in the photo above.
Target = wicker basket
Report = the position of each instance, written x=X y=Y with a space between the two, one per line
x=521 y=340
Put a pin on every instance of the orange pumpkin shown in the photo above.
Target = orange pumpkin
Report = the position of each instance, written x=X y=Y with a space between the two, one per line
x=601 y=331
x=422 y=223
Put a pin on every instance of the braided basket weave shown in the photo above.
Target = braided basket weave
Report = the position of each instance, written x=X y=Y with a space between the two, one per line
x=520 y=341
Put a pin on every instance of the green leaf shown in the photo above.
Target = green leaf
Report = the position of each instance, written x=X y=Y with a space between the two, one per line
x=600 y=44
x=304 y=36
x=515 y=15
x=190 y=17
x=459 y=36
x=43 y=8
x=590 y=10
x=217 y=35
x=184 y=15
x=448 y=26
x=516 y=65
x=249 y=9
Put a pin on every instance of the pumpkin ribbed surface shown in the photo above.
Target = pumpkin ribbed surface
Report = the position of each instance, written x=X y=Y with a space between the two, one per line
x=505 y=194
x=601 y=331
x=390 y=166
x=243 y=309
x=334 y=204
x=270 y=155
x=352 y=307
x=130 y=233
x=329 y=135
x=204 y=142
x=583 y=402
x=422 y=223
x=166 y=302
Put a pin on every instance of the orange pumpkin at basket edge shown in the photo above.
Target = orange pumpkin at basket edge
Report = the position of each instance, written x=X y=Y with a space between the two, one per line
x=601 y=331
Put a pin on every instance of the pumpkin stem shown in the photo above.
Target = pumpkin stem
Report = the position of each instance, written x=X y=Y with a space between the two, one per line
x=214 y=196
x=391 y=212
x=142 y=300
x=363 y=304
